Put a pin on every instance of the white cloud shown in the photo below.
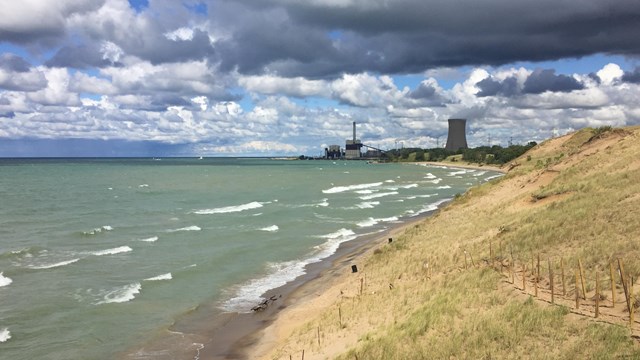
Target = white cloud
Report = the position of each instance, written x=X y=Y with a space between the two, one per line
x=298 y=87
x=111 y=52
x=609 y=73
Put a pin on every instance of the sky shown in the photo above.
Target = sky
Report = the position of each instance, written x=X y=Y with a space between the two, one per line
x=288 y=77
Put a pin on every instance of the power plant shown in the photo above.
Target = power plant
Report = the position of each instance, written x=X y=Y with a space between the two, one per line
x=353 y=149
x=457 y=138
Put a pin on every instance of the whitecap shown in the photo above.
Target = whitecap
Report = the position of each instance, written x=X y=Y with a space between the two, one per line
x=428 y=207
x=364 y=192
x=229 y=209
x=430 y=176
x=188 y=228
x=492 y=177
x=338 y=234
x=410 y=186
x=118 y=250
x=5 y=335
x=272 y=228
x=143 y=185
x=51 y=266
x=389 y=181
x=324 y=203
x=372 y=221
x=339 y=189
x=444 y=187
x=4 y=281
x=166 y=276
x=122 y=294
x=151 y=239
x=378 y=195
x=368 y=204
x=435 y=181
x=460 y=172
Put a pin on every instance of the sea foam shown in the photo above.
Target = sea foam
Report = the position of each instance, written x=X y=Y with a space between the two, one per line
x=55 y=265
x=339 y=189
x=188 y=228
x=98 y=230
x=272 y=228
x=151 y=239
x=121 y=294
x=4 y=281
x=378 y=195
x=372 y=221
x=250 y=293
x=5 y=335
x=229 y=209
x=166 y=276
x=368 y=204
x=118 y=250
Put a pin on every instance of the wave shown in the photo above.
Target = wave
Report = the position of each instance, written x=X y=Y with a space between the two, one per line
x=272 y=228
x=430 y=176
x=98 y=230
x=4 y=281
x=364 y=192
x=250 y=293
x=339 y=189
x=428 y=207
x=435 y=181
x=143 y=185
x=479 y=173
x=122 y=294
x=410 y=186
x=324 y=203
x=5 y=335
x=188 y=228
x=378 y=195
x=229 y=209
x=371 y=221
x=151 y=239
x=166 y=276
x=444 y=187
x=389 y=181
x=118 y=250
x=492 y=177
x=460 y=172
x=368 y=204
x=420 y=196
x=51 y=266
x=23 y=253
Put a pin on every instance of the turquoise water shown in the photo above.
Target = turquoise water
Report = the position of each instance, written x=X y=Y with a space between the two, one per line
x=97 y=254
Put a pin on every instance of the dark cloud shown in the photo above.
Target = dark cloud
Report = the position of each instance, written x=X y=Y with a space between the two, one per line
x=546 y=80
x=79 y=57
x=536 y=83
x=428 y=95
x=490 y=87
x=632 y=76
x=9 y=115
x=14 y=63
x=406 y=36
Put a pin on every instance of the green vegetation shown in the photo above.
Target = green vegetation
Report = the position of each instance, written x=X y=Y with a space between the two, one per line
x=496 y=155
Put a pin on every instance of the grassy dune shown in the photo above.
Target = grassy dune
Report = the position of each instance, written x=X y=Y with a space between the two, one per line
x=451 y=287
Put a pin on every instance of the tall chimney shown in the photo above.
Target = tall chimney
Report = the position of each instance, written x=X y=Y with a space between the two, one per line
x=354 y=132
x=457 y=137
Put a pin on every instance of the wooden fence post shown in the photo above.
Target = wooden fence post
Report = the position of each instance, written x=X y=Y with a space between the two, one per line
x=577 y=292
x=613 y=285
x=564 y=291
x=551 y=281
x=624 y=283
x=597 y=294
x=632 y=300
x=584 y=292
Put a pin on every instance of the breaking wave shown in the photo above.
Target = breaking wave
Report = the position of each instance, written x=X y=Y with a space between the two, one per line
x=5 y=335
x=121 y=294
x=55 y=265
x=339 y=189
x=229 y=209
x=4 y=281
x=272 y=228
x=118 y=250
x=166 y=276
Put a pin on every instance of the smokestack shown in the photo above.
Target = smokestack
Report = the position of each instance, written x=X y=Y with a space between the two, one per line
x=354 y=132
x=457 y=138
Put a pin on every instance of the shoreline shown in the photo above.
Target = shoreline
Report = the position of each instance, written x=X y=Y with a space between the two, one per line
x=254 y=335
x=462 y=165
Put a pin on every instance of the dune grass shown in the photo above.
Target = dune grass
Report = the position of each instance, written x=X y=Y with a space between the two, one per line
x=431 y=293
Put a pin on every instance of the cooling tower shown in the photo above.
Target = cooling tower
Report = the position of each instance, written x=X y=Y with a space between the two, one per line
x=457 y=138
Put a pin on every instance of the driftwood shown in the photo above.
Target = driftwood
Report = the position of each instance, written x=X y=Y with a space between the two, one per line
x=265 y=304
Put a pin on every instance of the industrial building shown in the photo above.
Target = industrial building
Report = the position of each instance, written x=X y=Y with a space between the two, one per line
x=353 y=146
x=457 y=138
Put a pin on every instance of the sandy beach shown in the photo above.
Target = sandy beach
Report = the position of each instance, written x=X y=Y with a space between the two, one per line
x=255 y=335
